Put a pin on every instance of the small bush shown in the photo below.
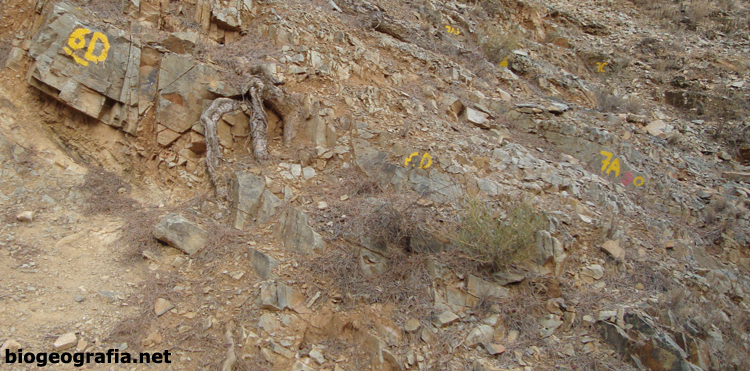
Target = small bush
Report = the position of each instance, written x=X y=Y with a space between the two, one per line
x=699 y=10
x=497 y=45
x=105 y=196
x=609 y=102
x=496 y=242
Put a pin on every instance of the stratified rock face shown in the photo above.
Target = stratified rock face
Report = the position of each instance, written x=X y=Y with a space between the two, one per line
x=179 y=233
x=182 y=88
x=108 y=75
x=91 y=69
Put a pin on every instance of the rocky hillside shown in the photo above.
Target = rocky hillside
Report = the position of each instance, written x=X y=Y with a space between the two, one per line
x=377 y=185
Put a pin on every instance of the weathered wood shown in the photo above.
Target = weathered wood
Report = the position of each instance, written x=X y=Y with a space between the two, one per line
x=209 y=119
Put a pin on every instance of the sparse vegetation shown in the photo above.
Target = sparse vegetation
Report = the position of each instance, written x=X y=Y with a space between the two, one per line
x=106 y=193
x=610 y=102
x=498 y=238
x=497 y=44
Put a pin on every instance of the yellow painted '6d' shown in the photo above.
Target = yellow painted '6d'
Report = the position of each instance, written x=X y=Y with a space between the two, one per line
x=77 y=41
x=422 y=164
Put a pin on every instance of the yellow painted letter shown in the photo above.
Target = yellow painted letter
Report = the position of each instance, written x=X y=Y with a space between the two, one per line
x=92 y=46
x=608 y=155
x=614 y=166
x=427 y=157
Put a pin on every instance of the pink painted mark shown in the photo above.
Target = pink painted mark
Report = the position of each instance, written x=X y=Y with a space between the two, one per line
x=627 y=178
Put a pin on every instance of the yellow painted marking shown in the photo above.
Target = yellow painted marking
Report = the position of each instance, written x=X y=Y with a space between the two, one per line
x=92 y=46
x=504 y=63
x=608 y=155
x=453 y=30
x=427 y=157
x=408 y=159
x=422 y=164
x=600 y=66
x=638 y=184
x=77 y=41
x=615 y=165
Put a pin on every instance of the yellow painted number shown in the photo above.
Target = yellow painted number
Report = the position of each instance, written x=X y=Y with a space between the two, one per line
x=422 y=165
x=452 y=30
x=638 y=181
x=77 y=41
x=606 y=161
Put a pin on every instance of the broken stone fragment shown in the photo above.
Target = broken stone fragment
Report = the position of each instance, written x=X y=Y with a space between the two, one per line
x=480 y=334
x=196 y=143
x=494 y=349
x=162 y=305
x=480 y=288
x=446 y=318
x=295 y=232
x=412 y=325
x=178 y=232
x=9 y=345
x=166 y=137
x=66 y=341
x=181 y=42
x=299 y=366
x=476 y=117
x=25 y=216
x=152 y=339
x=507 y=278
x=227 y=18
x=557 y=108
x=594 y=271
x=262 y=263
x=656 y=128
x=612 y=247
x=246 y=191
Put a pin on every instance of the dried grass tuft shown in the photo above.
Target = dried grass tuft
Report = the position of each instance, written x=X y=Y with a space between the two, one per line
x=405 y=282
x=106 y=193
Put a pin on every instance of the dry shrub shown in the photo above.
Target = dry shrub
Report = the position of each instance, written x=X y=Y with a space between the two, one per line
x=137 y=236
x=223 y=242
x=375 y=212
x=405 y=282
x=699 y=10
x=494 y=238
x=110 y=10
x=497 y=44
x=522 y=311
x=236 y=59
x=103 y=188
x=609 y=102
x=730 y=104
x=133 y=329
x=4 y=52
